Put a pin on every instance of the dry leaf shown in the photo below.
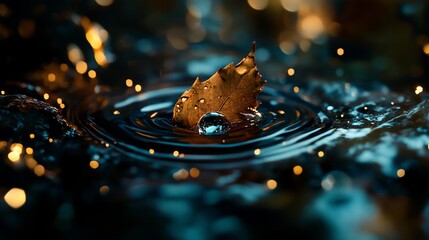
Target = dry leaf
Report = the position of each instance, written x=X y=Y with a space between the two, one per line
x=231 y=91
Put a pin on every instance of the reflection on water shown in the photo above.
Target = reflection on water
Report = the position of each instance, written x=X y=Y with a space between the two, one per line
x=285 y=126
x=339 y=149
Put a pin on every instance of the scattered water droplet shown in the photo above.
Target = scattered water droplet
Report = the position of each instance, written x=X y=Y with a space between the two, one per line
x=170 y=137
x=202 y=100
x=213 y=123
x=184 y=99
x=205 y=87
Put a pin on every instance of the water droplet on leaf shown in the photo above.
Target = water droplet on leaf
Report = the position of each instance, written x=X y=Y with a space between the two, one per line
x=213 y=123
x=224 y=92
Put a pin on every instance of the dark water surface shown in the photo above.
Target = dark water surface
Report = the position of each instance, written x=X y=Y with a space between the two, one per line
x=339 y=147
x=140 y=127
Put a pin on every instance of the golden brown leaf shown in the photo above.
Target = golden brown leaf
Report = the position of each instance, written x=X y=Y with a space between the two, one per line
x=231 y=91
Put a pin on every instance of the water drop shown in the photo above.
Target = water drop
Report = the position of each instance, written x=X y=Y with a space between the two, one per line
x=205 y=87
x=213 y=123
x=202 y=100
x=184 y=99
x=154 y=119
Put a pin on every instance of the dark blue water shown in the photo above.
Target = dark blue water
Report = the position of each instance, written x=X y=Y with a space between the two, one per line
x=140 y=127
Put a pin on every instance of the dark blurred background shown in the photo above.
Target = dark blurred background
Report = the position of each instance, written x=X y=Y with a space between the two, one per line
x=378 y=40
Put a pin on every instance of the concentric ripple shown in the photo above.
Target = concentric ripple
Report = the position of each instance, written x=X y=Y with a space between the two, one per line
x=139 y=126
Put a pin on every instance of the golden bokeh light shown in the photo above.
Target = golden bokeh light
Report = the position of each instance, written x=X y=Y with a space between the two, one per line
x=15 y=198
x=257 y=151
x=96 y=35
x=271 y=184
x=94 y=38
x=94 y=164
x=104 y=190
x=17 y=147
x=92 y=74
x=14 y=156
x=297 y=170
x=287 y=47
x=290 y=5
x=176 y=153
x=258 y=4
x=426 y=48
x=29 y=150
x=30 y=162
x=74 y=53
x=64 y=67
x=182 y=174
x=104 y=3
x=51 y=77
x=100 y=57
x=81 y=67
x=400 y=173
x=311 y=27
x=129 y=83
x=419 y=89
x=194 y=172
x=39 y=170
x=296 y=89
